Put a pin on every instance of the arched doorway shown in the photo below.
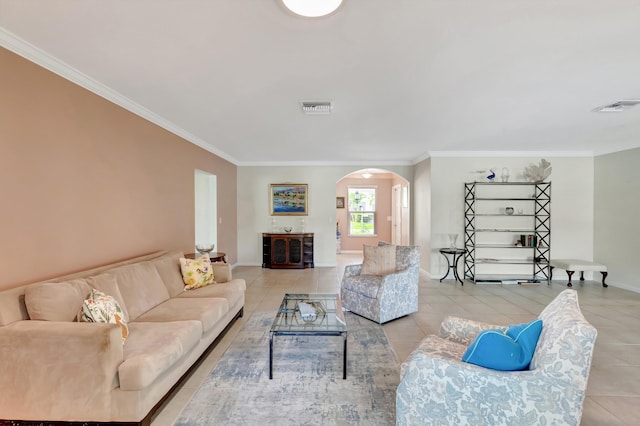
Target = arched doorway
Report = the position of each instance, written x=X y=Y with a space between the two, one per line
x=373 y=205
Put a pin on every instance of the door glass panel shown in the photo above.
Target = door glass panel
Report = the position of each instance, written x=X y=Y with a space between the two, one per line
x=279 y=250
x=295 y=251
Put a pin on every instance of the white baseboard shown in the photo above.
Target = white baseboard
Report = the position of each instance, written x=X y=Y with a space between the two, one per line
x=621 y=286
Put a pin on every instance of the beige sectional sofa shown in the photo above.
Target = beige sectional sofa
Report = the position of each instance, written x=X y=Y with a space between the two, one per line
x=54 y=368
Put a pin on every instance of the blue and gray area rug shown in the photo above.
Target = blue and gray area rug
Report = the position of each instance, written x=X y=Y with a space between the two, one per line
x=307 y=386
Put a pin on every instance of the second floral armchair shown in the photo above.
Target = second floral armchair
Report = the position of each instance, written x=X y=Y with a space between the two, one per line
x=384 y=296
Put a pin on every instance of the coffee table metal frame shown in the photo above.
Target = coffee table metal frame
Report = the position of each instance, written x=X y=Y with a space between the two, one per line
x=288 y=322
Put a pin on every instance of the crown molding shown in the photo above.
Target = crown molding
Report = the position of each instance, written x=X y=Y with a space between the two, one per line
x=36 y=55
x=511 y=154
x=369 y=164
x=613 y=148
x=421 y=158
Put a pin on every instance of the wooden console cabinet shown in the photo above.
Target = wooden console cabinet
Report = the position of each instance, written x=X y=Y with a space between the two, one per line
x=287 y=251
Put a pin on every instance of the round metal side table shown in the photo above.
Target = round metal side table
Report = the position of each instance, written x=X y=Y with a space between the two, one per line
x=452 y=264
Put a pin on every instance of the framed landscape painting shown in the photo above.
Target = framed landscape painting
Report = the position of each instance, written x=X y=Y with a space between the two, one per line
x=289 y=199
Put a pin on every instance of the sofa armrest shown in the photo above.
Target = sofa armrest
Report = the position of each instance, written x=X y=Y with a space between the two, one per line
x=352 y=270
x=41 y=360
x=462 y=330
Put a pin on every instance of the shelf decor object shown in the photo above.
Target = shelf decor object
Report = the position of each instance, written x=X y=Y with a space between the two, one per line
x=452 y=241
x=538 y=173
x=205 y=248
x=502 y=247
x=289 y=199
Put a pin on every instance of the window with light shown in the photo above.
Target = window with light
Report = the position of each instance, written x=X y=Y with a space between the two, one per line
x=362 y=211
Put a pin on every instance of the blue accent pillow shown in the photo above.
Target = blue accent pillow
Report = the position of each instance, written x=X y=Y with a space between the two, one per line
x=510 y=351
x=527 y=336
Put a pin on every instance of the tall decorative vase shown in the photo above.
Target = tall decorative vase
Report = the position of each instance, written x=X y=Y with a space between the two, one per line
x=452 y=240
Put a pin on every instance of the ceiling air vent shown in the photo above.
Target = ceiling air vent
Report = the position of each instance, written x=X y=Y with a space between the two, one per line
x=316 y=107
x=617 y=106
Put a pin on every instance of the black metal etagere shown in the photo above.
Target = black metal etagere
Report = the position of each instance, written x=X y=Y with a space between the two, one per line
x=531 y=237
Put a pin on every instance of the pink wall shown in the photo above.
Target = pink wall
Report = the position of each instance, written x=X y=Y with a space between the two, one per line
x=383 y=208
x=85 y=182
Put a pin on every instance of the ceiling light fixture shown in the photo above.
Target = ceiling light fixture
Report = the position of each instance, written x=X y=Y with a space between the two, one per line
x=366 y=175
x=312 y=8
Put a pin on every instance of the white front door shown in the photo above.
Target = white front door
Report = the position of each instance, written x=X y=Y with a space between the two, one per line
x=396 y=214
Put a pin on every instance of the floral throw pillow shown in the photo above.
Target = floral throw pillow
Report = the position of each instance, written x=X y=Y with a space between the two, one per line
x=196 y=273
x=100 y=308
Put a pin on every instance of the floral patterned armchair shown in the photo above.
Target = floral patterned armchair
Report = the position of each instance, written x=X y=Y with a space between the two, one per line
x=382 y=298
x=437 y=388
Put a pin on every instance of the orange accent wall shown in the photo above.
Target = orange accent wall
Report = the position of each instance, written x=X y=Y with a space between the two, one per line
x=84 y=182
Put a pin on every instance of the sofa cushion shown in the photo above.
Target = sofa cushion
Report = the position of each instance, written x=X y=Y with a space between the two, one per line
x=509 y=351
x=107 y=284
x=221 y=272
x=233 y=291
x=366 y=285
x=379 y=260
x=153 y=348
x=207 y=310
x=105 y=309
x=196 y=273
x=168 y=267
x=56 y=301
x=141 y=287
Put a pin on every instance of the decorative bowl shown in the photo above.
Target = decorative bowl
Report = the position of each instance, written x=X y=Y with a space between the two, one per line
x=287 y=229
x=320 y=312
x=205 y=248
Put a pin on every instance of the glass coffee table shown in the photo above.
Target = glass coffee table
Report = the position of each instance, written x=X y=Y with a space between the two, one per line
x=327 y=321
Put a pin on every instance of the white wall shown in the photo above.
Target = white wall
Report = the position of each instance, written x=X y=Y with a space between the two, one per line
x=617 y=228
x=206 y=208
x=571 y=202
x=253 y=206
x=594 y=207
x=421 y=211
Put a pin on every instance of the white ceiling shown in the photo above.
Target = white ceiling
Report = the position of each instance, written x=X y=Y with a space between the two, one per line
x=408 y=78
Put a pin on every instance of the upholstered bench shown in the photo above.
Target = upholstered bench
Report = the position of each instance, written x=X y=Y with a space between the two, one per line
x=572 y=265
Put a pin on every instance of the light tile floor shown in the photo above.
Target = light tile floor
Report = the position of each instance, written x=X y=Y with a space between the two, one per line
x=613 y=393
